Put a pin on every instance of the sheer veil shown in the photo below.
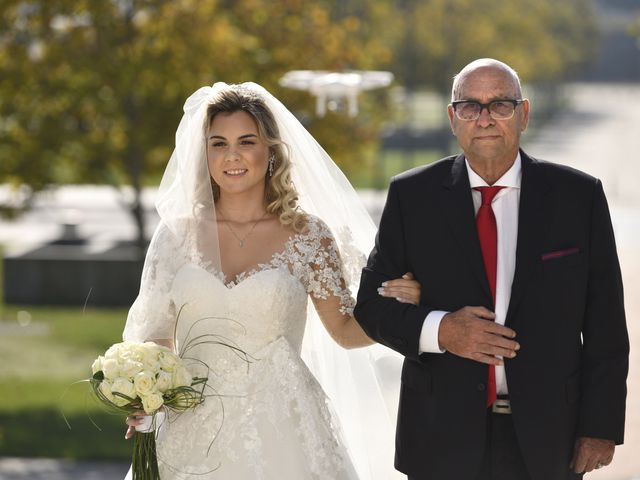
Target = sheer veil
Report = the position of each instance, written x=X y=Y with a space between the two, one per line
x=362 y=384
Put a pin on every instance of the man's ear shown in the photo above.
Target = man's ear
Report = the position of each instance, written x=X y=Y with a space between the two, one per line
x=451 y=114
x=525 y=108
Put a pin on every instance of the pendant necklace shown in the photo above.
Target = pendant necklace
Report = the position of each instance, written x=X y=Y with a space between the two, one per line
x=241 y=239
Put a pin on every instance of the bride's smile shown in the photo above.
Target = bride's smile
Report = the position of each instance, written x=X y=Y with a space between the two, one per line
x=236 y=172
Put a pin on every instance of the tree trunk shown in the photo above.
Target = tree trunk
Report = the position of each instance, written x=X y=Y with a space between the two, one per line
x=133 y=164
x=133 y=153
x=137 y=212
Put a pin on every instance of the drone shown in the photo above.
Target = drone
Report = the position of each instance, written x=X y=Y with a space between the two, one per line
x=331 y=87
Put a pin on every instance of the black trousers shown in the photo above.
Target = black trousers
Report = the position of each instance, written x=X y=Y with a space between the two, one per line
x=502 y=457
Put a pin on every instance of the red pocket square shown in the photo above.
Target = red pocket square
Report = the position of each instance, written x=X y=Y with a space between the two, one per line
x=559 y=253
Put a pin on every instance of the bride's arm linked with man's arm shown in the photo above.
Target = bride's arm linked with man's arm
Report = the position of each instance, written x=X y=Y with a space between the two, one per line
x=387 y=262
x=336 y=310
x=344 y=328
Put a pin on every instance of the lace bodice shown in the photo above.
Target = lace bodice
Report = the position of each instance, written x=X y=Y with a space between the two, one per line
x=312 y=258
x=269 y=300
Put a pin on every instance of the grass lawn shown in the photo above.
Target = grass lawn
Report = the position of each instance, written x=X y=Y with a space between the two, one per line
x=43 y=351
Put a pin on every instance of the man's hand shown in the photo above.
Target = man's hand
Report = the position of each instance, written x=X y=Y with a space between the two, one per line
x=590 y=453
x=471 y=333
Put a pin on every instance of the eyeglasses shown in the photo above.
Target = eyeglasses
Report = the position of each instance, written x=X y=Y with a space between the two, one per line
x=498 y=109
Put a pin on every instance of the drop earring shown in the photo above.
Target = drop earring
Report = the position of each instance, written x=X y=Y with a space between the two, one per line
x=272 y=160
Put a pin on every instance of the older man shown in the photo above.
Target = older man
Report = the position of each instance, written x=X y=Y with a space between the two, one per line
x=517 y=357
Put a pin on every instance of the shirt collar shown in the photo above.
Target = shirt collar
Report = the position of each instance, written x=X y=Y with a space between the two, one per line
x=511 y=178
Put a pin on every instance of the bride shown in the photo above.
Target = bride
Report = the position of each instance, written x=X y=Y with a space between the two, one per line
x=256 y=219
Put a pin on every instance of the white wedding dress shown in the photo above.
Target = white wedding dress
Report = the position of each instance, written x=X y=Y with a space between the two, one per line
x=267 y=416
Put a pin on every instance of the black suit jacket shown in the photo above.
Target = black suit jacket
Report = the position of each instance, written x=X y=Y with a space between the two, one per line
x=566 y=306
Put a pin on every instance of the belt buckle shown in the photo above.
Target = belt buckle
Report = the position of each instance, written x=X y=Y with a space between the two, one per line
x=501 y=405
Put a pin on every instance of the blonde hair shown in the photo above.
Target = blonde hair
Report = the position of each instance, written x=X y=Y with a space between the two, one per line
x=280 y=193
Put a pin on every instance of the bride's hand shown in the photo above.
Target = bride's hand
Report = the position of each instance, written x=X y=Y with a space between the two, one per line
x=404 y=290
x=133 y=420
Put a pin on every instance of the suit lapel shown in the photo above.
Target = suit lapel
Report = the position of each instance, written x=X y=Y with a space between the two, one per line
x=458 y=209
x=533 y=215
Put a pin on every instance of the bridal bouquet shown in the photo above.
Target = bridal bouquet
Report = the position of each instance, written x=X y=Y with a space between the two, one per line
x=133 y=376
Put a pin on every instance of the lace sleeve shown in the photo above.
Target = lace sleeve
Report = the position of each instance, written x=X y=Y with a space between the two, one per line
x=152 y=316
x=323 y=269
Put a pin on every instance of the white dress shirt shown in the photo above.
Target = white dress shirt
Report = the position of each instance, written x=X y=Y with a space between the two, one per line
x=505 y=208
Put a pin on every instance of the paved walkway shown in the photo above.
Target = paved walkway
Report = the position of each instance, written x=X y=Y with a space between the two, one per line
x=599 y=134
x=53 y=469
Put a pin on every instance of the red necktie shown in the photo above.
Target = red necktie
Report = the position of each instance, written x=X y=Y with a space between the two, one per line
x=488 y=235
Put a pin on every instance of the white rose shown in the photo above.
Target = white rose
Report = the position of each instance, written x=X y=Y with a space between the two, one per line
x=168 y=361
x=118 y=350
x=110 y=368
x=144 y=382
x=125 y=387
x=130 y=368
x=152 y=402
x=105 y=389
x=135 y=352
x=164 y=381
x=112 y=351
x=147 y=354
x=97 y=365
x=152 y=365
x=182 y=377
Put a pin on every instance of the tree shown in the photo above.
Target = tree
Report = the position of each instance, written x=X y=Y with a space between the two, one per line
x=543 y=40
x=91 y=91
